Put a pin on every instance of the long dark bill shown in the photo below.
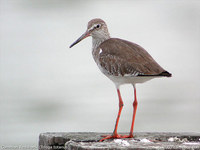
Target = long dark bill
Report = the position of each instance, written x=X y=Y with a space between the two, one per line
x=86 y=34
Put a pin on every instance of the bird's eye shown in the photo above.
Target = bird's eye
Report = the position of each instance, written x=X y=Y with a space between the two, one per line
x=98 y=26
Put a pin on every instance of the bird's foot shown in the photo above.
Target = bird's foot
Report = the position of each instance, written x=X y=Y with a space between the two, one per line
x=115 y=136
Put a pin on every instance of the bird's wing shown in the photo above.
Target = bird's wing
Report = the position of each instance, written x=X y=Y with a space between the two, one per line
x=120 y=57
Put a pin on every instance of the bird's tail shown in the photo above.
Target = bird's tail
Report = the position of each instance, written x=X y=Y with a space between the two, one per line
x=165 y=74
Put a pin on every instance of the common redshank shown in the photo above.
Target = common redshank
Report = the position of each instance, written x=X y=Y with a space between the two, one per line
x=123 y=62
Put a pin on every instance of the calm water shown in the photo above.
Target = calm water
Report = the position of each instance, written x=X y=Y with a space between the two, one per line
x=47 y=87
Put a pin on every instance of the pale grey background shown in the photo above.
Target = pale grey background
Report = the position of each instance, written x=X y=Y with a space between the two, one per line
x=46 y=87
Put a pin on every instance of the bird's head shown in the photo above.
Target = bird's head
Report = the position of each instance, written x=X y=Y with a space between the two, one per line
x=96 y=28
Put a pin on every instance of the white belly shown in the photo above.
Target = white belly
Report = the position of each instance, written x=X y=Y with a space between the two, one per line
x=119 y=80
x=127 y=79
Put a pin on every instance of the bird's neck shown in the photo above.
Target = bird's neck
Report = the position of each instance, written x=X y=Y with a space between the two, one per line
x=97 y=41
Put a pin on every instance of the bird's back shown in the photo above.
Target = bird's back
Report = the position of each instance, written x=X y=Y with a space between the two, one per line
x=118 y=57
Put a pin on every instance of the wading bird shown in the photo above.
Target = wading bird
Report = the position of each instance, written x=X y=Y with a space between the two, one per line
x=123 y=62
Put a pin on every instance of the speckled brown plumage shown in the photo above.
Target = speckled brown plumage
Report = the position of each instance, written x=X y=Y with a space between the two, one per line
x=119 y=57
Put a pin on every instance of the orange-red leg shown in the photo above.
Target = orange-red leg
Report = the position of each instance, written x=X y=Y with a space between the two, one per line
x=121 y=104
x=135 y=103
x=115 y=134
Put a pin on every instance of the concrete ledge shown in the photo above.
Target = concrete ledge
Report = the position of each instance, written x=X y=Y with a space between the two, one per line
x=141 y=140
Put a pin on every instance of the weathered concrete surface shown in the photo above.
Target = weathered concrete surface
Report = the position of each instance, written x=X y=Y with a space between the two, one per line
x=141 y=140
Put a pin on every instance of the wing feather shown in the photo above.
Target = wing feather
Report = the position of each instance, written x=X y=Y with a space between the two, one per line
x=120 y=57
